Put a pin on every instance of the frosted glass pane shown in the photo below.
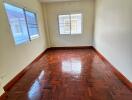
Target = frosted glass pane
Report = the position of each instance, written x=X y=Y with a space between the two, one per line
x=64 y=24
x=76 y=24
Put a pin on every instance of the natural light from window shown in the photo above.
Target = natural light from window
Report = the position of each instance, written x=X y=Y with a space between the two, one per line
x=70 y=24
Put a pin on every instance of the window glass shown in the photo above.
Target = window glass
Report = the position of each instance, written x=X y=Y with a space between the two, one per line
x=64 y=24
x=76 y=23
x=17 y=23
x=32 y=24
x=70 y=24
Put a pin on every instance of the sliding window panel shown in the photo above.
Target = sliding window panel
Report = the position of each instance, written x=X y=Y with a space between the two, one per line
x=32 y=24
x=17 y=23
x=64 y=24
x=76 y=23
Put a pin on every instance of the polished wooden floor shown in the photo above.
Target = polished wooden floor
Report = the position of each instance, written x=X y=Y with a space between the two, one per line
x=72 y=74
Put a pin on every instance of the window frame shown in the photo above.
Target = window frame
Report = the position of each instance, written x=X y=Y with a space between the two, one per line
x=24 y=11
x=70 y=23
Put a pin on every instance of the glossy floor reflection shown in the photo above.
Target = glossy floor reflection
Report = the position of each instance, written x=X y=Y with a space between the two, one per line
x=72 y=66
x=73 y=74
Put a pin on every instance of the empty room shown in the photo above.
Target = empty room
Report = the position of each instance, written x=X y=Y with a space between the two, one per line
x=65 y=49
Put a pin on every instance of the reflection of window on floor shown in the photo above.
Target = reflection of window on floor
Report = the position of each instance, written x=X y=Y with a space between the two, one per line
x=72 y=66
x=70 y=24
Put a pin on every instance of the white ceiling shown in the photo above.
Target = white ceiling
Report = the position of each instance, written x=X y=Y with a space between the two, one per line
x=56 y=0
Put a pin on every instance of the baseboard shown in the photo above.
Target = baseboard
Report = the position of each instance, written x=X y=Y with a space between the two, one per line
x=3 y=96
x=10 y=84
x=71 y=47
x=115 y=71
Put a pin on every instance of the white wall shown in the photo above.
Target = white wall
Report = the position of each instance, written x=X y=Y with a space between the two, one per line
x=13 y=58
x=113 y=33
x=86 y=7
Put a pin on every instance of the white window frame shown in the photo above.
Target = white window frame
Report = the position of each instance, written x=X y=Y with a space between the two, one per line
x=70 y=24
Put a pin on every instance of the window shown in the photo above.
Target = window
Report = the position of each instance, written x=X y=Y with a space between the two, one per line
x=23 y=23
x=64 y=24
x=70 y=24
x=32 y=24
x=18 y=24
